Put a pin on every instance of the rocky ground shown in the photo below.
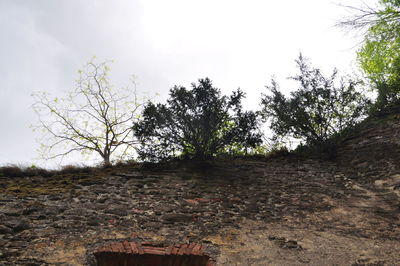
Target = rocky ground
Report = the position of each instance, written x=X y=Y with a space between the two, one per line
x=278 y=211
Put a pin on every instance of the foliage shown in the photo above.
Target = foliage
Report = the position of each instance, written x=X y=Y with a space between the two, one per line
x=19 y=171
x=320 y=108
x=366 y=17
x=196 y=123
x=92 y=118
x=379 y=56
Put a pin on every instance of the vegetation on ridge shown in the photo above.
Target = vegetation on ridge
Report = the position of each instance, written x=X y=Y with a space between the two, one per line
x=320 y=108
x=94 y=117
x=379 y=55
x=200 y=123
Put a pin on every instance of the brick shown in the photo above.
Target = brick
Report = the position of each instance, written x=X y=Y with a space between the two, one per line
x=195 y=202
x=134 y=247
x=154 y=251
x=197 y=250
x=114 y=248
x=175 y=250
x=192 y=245
x=121 y=247
x=211 y=263
x=168 y=250
x=180 y=254
x=182 y=249
x=140 y=249
x=202 y=200
x=236 y=199
x=127 y=247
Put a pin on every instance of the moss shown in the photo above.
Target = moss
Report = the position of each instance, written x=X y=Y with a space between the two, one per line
x=57 y=184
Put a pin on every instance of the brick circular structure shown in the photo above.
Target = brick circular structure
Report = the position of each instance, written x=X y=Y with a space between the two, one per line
x=146 y=254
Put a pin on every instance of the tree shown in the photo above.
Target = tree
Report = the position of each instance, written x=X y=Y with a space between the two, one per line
x=365 y=17
x=379 y=56
x=318 y=109
x=94 y=117
x=197 y=123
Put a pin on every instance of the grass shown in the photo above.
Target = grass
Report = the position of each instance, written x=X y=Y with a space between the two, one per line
x=26 y=181
x=20 y=171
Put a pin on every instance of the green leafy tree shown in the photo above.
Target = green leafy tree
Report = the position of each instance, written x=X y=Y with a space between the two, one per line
x=93 y=118
x=196 y=123
x=379 y=56
x=320 y=108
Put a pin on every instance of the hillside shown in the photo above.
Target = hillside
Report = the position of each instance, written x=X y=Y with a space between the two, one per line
x=285 y=210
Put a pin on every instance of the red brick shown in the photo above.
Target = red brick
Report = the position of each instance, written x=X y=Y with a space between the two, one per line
x=182 y=249
x=177 y=253
x=140 y=249
x=114 y=248
x=168 y=250
x=191 y=246
x=127 y=247
x=236 y=199
x=134 y=247
x=121 y=247
x=155 y=251
x=197 y=250
x=211 y=263
x=202 y=200
x=195 y=202
x=175 y=250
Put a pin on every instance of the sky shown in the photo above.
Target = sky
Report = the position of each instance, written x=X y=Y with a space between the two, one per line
x=163 y=43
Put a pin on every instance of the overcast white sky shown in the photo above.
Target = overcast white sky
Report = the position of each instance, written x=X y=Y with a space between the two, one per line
x=234 y=43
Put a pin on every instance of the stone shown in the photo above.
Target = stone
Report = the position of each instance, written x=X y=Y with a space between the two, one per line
x=177 y=218
x=180 y=204
x=12 y=211
x=117 y=211
x=135 y=175
x=93 y=222
x=20 y=226
x=5 y=230
x=29 y=211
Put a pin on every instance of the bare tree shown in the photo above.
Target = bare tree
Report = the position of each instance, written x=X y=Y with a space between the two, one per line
x=94 y=117
x=365 y=17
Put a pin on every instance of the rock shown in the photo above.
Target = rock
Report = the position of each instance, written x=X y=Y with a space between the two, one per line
x=292 y=244
x=40 y=217
x=29 y=211
x=53 y=197
x=12 y=211
x=20 y=226
x=166 y=208
x=9 y=253
x=17 y=225
x=88 y=182
x=93 y=222
x=135 y=175
x=177 y=218
x=117 y=211
x=5 y=230
x=285 y=243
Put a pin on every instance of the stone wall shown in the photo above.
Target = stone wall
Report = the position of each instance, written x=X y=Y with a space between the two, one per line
x=374 y=149
x=280 y=211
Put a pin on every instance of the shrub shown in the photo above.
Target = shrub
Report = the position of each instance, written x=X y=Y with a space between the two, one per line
x=20 y=171
x=320 y=108
x=196 y=123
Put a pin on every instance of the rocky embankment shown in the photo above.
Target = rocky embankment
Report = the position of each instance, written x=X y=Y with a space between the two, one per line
x=277 y=211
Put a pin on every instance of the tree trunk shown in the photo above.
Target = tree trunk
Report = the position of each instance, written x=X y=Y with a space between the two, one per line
x=106 y=160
